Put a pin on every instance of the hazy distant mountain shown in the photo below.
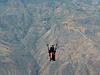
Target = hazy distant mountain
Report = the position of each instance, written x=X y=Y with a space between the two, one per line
x=26 y=26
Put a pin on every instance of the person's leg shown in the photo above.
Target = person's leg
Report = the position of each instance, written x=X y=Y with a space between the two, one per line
x=50 y=55
x=54 y=56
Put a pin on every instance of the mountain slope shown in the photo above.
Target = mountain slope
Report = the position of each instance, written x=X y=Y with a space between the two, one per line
x=26 y=26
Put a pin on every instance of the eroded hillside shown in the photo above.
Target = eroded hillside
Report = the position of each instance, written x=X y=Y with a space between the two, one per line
x=26 y=26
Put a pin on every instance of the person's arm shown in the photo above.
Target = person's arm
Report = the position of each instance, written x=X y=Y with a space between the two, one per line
x=56 y=47
x=48 y=47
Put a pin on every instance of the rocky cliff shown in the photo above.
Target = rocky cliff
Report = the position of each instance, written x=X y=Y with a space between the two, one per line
x=26 y=26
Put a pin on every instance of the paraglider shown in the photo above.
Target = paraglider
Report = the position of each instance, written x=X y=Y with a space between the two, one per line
x=52 y=51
